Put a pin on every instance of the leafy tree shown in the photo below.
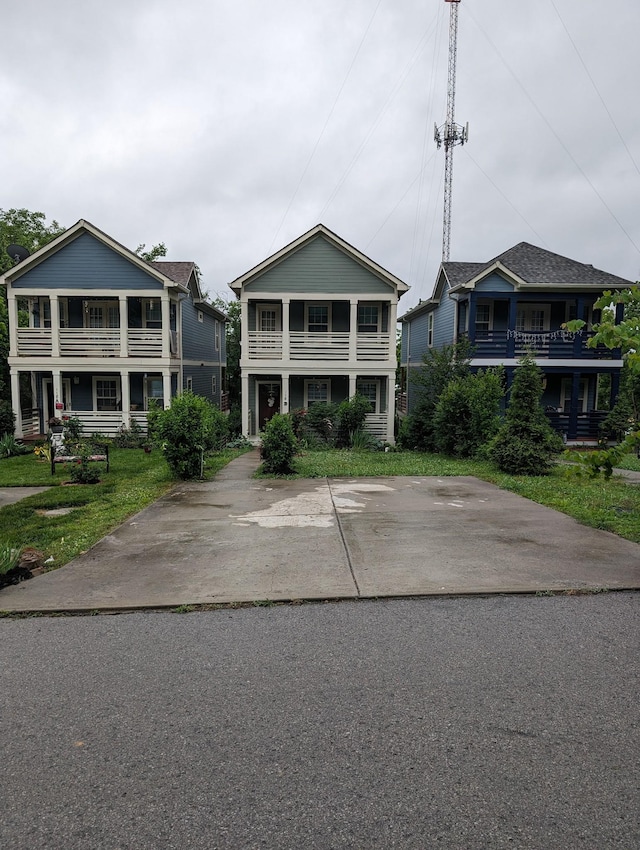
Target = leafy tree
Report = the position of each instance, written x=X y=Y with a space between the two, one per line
x=525 y=443
x=439 y=366
x=30 y=230
x=232 y=338
x=467 y=414
x=351 y=415
x=625 y=336
x=154 y=253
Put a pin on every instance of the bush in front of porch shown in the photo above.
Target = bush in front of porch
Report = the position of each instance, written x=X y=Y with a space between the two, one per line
x=190 y=429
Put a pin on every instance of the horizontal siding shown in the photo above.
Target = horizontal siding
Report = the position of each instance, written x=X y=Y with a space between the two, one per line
x=198 y=338
x=419 y=339
x=443 y=325
x=319 y=266
x=86 y=263
x=494 y=283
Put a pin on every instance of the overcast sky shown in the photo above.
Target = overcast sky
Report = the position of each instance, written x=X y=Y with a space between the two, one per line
x=227 y=128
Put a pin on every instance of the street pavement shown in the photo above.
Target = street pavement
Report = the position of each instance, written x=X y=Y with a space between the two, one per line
x=469 y=724
x=238 y=539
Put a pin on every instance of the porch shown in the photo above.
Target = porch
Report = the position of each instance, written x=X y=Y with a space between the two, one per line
x=95 y=342
x=554 y=345
x=333 y=346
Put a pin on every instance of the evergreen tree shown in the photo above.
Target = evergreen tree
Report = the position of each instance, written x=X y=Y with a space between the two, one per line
x=468 y=413
x=526 y=443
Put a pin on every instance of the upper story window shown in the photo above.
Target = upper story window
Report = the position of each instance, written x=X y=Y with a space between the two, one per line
x=317 y=318
x=101 y=314
x=532 y=318
x=152 y=313
x=430 y=330
x=483 y=318
x=268 y=318
x=368 y=318
x=217 y=334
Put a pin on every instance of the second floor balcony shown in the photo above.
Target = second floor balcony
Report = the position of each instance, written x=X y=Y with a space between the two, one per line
x=95 y=342
x=553 y=344
x=326 y=346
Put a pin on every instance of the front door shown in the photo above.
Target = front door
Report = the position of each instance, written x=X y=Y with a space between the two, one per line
x=49 y=406
x=268 y=402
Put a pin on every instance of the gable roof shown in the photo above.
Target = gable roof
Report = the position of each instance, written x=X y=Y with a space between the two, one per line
x=319 y=230
x=528 y=266
x=186 y=274
x=72 y=233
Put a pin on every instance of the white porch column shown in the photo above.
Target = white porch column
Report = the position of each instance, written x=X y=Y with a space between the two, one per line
x=15 y=400
x=393 y=329
x=12 y=308
x=284 y=398
x=244 y=330
x=244 y=396
x=57 y=391
x=353 y=332
x=352 y=384
x=391 y=406
x=285 y=329
x=55 y=329
x=126 y=397
x=166 y=325
x=166 y=386
x=124 y=329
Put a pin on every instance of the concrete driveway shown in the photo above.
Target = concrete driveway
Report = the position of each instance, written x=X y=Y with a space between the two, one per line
x=235 y=539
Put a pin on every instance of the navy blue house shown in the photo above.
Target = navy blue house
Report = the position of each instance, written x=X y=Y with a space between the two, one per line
x=96 y=332
x=517 y=303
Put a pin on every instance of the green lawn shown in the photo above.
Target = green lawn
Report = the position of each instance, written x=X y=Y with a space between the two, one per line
x=135 y=480
x=610 y=505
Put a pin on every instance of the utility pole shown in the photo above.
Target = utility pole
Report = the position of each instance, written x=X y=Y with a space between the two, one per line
x=450 y=134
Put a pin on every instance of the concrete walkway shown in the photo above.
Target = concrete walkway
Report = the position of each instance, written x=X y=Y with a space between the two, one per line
x=235 y=539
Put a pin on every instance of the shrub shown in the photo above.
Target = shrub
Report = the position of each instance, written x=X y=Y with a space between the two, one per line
x=320 y=422
x=132 y=437
x=81 y=471
x=10 y=447
x=351 y=415
x=234 y=421
x=153 y=413
x=189 y=429
x=9 y=558
x=467 y=414
x=525 y=444
x=73 y=429
x=279 y=445
x=7 y=418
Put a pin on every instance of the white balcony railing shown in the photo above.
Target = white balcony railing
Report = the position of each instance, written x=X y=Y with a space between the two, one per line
x=33 y=342
x=89 y=342
x=94 y=342
x=318 y=346
x=376 y=424
x=144 y=342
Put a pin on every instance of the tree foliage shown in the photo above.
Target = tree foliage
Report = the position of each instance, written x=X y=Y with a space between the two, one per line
x=279 y=445
x=439 y=367
x=154 y=253
x=467 y=414
x=189 y=429
x=31 y=231
x=525 y=443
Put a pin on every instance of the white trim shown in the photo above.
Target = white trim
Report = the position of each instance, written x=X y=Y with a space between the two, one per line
x=365 y=380
x=430 y=324
x=118 y=383
x=584 y=365
x=527 y=308
x=267 y=308
x=483 y=302
x=188 y=384
x=66 y=388
x=566 y=381
x=308 y=381
x=378 y=306
x=315 y=303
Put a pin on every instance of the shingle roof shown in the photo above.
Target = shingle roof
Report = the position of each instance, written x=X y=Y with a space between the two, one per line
x=535 y=265
x=178 y=272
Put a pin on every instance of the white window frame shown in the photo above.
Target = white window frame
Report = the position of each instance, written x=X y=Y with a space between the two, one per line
x=378 y=307
x=216 y=334
x=376 y=381
x=269 y=308
x=326 y=305
x=145 y=320
x=105 y=305
x=189 y=383
x=146 y=394
x=527 y=310
x=200 y=316
x=214 y=385
x=489 y=305
x=308 y=382
x=118 y=383
x=430 y=330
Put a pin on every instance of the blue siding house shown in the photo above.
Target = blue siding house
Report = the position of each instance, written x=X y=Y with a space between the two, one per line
x=103 y=332
x=514 y=304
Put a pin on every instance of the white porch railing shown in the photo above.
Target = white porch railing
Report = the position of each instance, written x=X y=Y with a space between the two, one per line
x=94 y=342
x=318 y=346
x=144 y=342
x=376 y=424
x=265 y=346
x=373 y=347
x=89 y=342
x=30 y=422
x=107 y=422
x=32 y=342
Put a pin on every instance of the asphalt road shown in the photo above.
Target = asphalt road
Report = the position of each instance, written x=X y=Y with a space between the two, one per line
x=503 y=722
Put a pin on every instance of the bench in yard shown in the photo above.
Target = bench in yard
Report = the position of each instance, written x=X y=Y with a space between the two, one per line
x=99 y=453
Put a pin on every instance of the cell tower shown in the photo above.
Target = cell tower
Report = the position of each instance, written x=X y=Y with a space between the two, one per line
x=450 y=134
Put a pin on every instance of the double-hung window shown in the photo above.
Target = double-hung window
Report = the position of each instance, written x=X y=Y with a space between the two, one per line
x=316 y=391
x=483 y=319
x=368 y=318
x=371 y=391
x=107 y=393
x=317 y=318
x=152 y=313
